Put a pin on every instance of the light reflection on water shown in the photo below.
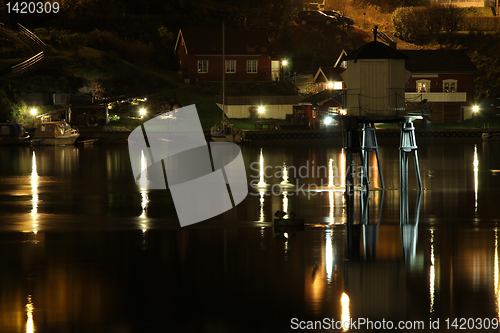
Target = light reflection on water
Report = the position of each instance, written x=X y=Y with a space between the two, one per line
x=84 y=241
x=30 y=327
x=497 y=274
x=34 y=190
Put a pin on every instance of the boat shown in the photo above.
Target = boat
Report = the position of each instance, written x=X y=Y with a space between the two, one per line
x=12 y=134
x=55 y=133
x=226 y=132
x=491 y=136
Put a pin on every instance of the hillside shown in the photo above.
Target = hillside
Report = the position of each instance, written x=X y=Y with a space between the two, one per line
x=126 y=51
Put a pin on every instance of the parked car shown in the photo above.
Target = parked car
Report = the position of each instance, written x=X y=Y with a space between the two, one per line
x=340 y=18
x=315 y=16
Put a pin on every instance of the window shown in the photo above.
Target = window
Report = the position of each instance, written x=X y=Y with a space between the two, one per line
x=423 y=86
x=230 y=66
x=251 y=66
x=450 y=85
x=202 y=66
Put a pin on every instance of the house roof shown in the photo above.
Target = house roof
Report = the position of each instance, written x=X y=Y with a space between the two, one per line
x=438 y=61
x=375 y=50
x=209 y=41
x=341 y=57
x=322 y=97
x=329 y=73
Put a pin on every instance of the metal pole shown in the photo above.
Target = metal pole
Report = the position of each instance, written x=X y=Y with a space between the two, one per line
x=223 y=72
x=417 y=170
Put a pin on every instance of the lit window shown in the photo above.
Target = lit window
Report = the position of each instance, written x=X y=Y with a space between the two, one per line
x=230 y=66
x=202 y=66
x=450 y=85
x=423 y=86
x=251 y=66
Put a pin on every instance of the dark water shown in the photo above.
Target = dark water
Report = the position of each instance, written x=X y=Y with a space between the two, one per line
x=83 y=249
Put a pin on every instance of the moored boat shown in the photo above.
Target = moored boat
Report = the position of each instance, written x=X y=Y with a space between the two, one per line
x=12 y=134
x=227 y=133
x=55 y=133
x=491 y=136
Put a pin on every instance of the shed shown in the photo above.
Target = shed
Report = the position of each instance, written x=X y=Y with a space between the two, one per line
x=375 y=80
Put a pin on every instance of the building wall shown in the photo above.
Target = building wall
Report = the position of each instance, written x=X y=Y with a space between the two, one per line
x=375 y=87
x=322 y=84
x=465 y=83
x=215 y=68
x=446 y=112
x=270 y=111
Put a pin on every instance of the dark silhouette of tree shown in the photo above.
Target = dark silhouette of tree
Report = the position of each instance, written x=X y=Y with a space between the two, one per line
x=422 y=24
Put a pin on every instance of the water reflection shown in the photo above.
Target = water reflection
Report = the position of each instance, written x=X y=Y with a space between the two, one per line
x=144 y=206
x=30 y=326
x=285 y=204
x=331 y=183
x=261 y=205
x=496 y=275
x=329 y=258
x=262 y=185
x=342 y=168
x=143 y=180
x=346 y=316
x=34 y=191
x=476 y=167
x=261 y=182
x=284 y=185
x=399 y=266
x=432 y=276
x=316 y=179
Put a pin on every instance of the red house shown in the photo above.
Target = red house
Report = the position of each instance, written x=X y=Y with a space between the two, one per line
x=248 y=55
x=445 y=78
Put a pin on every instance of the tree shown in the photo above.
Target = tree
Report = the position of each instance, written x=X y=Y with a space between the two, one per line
x=423 y=24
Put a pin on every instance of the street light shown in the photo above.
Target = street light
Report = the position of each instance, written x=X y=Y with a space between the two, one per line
x=33 y=113
x=142 y=112
x=475 y=110
x=284 y=63
x=261 y=109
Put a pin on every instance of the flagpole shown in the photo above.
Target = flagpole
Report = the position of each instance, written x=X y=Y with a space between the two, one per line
x=223 y=72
